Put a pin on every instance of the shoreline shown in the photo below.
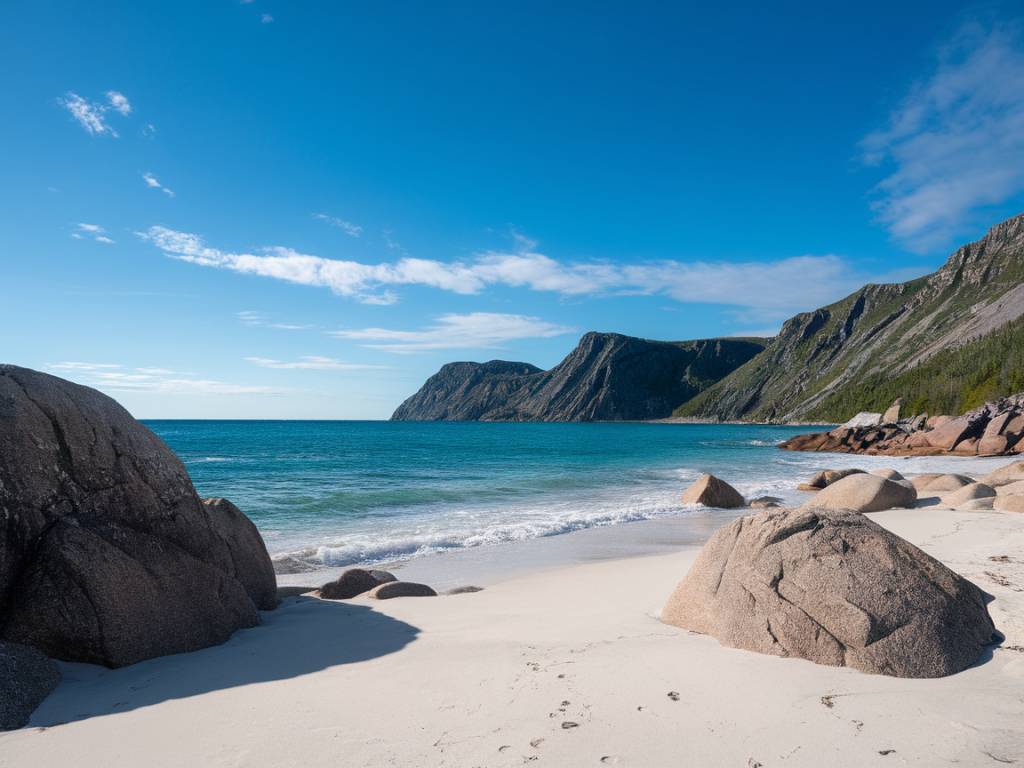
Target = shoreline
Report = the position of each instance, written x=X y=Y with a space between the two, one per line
x=567 y=666
x=489 y=563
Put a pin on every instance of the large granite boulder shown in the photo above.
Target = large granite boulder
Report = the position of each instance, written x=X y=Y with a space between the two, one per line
x=26 y=678
x=353 y=582
x=864 y=493
x=712 y=492
x=107 y=555
x=835 y=588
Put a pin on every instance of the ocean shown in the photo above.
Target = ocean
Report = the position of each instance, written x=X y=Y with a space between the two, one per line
x=327 y=494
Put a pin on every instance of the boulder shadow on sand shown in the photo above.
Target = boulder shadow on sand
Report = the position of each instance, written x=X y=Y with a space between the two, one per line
x=303 y=636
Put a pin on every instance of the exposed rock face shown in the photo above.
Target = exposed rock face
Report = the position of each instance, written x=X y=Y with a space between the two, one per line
x=864 y=493
x=353 y=582
x=712 y=492
x=892 y=413
x=834 y=588
x=821 y=360
x=995 y=428
x=607 y=377
x=401 y=589
x=26 y=678
x=107 y=555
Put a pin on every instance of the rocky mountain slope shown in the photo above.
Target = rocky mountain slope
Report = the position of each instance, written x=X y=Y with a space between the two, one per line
x=839 y=359
x=607 y=377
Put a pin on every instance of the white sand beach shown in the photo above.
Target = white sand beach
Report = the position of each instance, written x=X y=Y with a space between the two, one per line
x=567 y=666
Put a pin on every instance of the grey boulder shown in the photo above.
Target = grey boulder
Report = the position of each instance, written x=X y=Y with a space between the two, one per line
x=354 y=582
x=26 y=678
x=401 y=589
x=834 y=588
x=107 y=555
x=864 y=493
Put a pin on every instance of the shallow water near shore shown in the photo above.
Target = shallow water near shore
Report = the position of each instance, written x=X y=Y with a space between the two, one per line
x=330 y=494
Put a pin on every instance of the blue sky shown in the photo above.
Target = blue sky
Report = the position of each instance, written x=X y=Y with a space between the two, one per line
x=302 y=209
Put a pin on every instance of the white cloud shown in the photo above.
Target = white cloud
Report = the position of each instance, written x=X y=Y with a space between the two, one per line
x=119 y=102
x=117 y=378
x=956 y=143
x=91 y=115
x=477 y=330
x=148 y=129
x=353 y=230
x=266 y=18
x=772 y=289
x=153 y=183
x=249 y=317
x=95 y=231
x=311 y=363
x=88 y=115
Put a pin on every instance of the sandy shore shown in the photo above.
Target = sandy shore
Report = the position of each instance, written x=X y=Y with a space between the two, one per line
x=561 y=667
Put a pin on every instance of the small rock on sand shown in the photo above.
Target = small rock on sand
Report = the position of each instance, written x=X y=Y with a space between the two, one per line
x=353 y=582
x=401 y=589
x=765 y=502
x=463 y=590
x=712 y=492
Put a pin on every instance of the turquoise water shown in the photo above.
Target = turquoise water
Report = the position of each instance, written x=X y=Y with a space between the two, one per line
x=333 y=493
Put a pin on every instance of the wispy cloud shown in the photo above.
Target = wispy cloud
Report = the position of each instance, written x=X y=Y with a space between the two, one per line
x=119 y=102
x=91 y=115
x=773 y=289
x=153 y=183
x=956 y=142
x=266 y=18
x=84 y=231
x=253 y=318
x=114 y=377
x=311 y=363
x=477 y=330
x=353 y=230
x=88 y=114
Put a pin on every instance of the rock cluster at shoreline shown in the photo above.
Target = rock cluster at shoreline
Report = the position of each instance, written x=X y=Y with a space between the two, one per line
x=993 y=429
